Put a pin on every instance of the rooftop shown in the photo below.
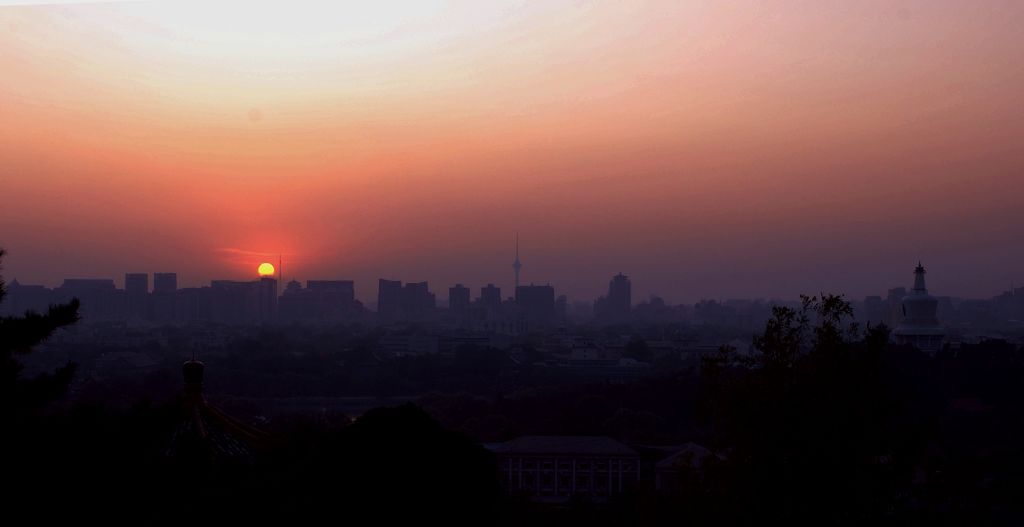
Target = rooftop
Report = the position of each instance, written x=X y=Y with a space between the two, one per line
x=591 y=445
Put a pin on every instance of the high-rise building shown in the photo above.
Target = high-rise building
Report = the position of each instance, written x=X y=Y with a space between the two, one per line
x=537 y=304
x=333 y=299
x=295 y=303
x=458 y=299
x=136 y=292
x=136 y=283
x=193 y=304
x=616 y=306
x=341 y=293
x=920 y=326
x=98 y=297
x=490 y=296
x=267 y=300
x=620 y=296
x=165 y=282
x=21 y=298
x=320 y=300
x=414 y=301
x=417 y=300
x=389 y=298
x=162 y=302
x=236 y=302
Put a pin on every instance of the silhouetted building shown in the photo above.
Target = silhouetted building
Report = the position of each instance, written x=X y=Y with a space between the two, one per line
x=334 y=299
x=490 y=296
x=458 y=299
x=235 y=302
x=320 y=300
x=414 y=301
x=536 y=304
x=654 y=310
x=136 y=292
x=21 y=298
x=339 y=293
x=491 y=315
x=620 y=295
x=136 y=283
x=296 y=303
x=562 y=307
x=194 y=304
x=162 y=301
x=165 y=282
x=389 y=298
x=99 y=297
x=615 y=307
x=920 y=326
x=1009 y=306
x=557 y=468
x=267 y=300
x=417 y=300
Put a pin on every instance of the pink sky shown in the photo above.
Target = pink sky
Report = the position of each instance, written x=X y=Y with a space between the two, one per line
x=708 y=150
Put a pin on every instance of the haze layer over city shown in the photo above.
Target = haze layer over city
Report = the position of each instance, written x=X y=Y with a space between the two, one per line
x=644 y=263
x=707 y=150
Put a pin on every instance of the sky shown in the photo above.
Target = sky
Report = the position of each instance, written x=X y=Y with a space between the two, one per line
x=705 y=149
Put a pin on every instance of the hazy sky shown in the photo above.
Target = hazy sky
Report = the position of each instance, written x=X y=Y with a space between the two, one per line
x=708 y=150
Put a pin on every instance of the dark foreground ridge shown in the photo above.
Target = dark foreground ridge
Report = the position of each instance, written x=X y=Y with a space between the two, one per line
x=821 y=422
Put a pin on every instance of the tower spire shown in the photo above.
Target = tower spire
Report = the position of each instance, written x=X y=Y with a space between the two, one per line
x=516 y=265
x=919 y=273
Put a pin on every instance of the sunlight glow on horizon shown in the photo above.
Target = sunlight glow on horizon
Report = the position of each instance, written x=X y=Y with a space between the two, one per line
x=410 y=140
x=266 y=269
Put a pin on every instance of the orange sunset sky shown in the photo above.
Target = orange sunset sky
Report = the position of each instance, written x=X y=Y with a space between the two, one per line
x=706 y=149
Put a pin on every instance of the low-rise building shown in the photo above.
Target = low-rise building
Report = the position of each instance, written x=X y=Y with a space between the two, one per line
x=556 y=468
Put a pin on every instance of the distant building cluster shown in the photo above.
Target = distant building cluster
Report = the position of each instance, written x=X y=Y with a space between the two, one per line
x=916 y=317
x=616 y=307
x=929 y=322
x=224 y=301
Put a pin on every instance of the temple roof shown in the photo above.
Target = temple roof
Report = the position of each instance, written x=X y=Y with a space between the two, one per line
x=204 y=431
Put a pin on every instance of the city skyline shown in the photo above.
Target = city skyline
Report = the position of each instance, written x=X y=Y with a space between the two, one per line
x=704 y=149
x=368 y=294
x=560 y=262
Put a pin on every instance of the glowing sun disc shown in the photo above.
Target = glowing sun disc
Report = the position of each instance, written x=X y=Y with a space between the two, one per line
x=265 y=269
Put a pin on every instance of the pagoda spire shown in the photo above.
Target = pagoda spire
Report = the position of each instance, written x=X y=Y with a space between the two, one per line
x=919 y=273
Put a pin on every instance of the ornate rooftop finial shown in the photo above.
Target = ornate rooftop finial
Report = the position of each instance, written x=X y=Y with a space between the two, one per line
x=192 y=371
x=919 y=273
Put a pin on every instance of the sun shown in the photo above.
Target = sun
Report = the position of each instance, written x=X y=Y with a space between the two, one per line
x=265 y=269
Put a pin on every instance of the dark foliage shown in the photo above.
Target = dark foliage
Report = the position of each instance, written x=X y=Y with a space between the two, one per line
x=18 y=335
x=830 y=424
x=826 y=423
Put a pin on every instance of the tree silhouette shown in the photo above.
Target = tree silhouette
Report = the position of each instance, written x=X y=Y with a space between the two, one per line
x=808 y=417
x=18 y=335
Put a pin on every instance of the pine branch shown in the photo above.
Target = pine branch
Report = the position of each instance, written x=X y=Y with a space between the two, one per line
x=20 y=334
